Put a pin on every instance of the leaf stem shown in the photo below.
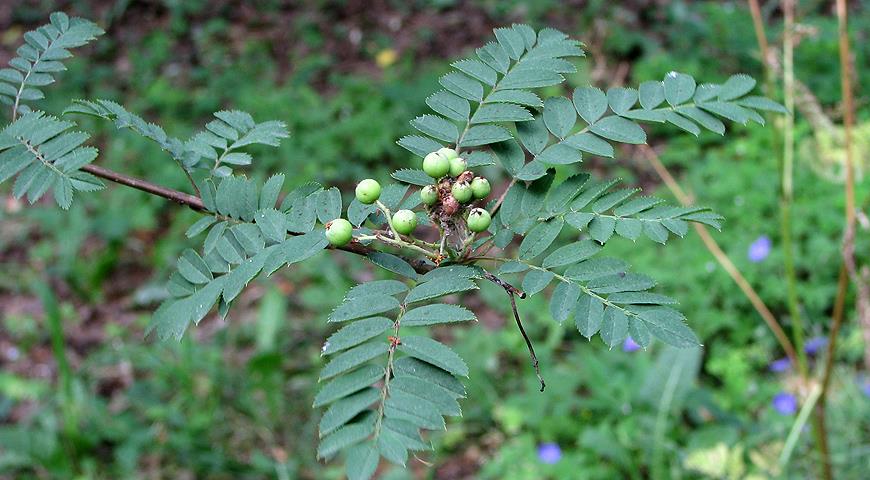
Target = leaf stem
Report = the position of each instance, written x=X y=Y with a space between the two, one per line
x=585 y=289
x=501 y=197
x=388 y=215
x=847 y=268
x=528 y=342
x=512 y=292
x=388 y=373
x=787 y=192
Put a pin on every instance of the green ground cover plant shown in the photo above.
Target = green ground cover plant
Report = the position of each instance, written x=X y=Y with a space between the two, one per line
x=233 y=398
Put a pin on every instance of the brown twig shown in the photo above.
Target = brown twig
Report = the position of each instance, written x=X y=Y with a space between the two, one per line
x=760 y=36
x=723 y=259
x=848 y=268
x=528 y=342
x=848 y=124
x=512 y=292
x=502 y=196
x=178 y=197
x=507 y=286
x=195 y=203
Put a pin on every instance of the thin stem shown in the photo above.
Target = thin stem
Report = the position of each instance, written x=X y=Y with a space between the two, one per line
x=191 y=180
x=402 y=244
x=486 y=243
x=388 y=215
x=505 y=285
x=501 y=197
x=181 y=198
x=23 y=83
x=723 y=259
x=787 y=192
x=466 y=245
x=388 y=372
x=528 y=342
x=760 y=36
x=799 y=423
x=512 y=292
x=849 y=236
x=417 y=241
x=583 y=288
x=39 y=156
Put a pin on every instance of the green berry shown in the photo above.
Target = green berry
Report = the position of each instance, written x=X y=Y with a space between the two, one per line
x=478 y=220
x=404 y=221
x=436 y=165
x=368 y=191
x=461 y=192
x=339 y=232
x=457 y=166
x=429 y=195
x=448 y=153
x=480 y=187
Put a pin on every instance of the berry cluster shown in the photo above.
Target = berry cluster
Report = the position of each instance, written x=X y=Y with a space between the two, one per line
x=455 y=188
x=448 y=202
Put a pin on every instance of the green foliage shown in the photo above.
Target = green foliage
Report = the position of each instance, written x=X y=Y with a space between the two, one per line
x=46 y=156
x=246 y=235
x=214 y=149
x=36 y=145
x=382 y=393
x=41 y=56
x=598 y=293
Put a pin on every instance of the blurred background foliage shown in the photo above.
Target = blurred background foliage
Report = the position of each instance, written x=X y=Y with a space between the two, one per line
x=82 y=395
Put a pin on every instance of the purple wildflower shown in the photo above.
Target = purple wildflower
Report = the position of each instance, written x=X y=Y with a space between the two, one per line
x=780 y=365
x=815 y=344
x=785 y=403
x=760 y=249
x=629 y=345
x=549 y=452
x=866 y=388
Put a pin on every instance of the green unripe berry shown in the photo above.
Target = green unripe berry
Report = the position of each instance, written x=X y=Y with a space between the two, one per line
x=478 y=220
x=461 y=192
x=448 y=153
x=457 y=166
x=339 y=232
x=480 y=187
x=368 y=191
x=429 y=195
x=436 y=165
x=404 y=221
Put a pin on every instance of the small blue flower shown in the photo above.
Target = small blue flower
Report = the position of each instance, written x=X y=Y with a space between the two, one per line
x=866 y=388
x=629 y=345
x=815 y=344
x=785 y=403
x=760 y=249
x=549 y=453
x=780 y=365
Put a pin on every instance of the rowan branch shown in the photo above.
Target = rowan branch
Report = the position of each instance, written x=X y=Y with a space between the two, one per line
x=195 y=203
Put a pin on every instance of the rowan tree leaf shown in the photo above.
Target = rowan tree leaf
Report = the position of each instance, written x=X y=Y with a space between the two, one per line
x=435 y=353
x=437 y=313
